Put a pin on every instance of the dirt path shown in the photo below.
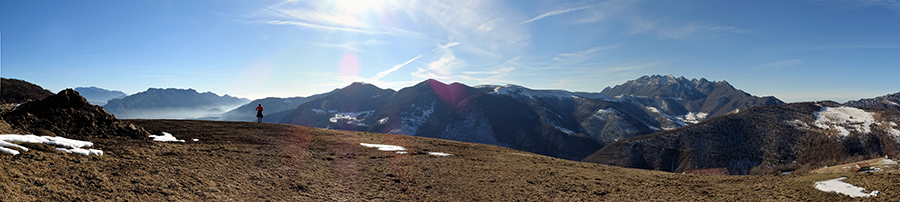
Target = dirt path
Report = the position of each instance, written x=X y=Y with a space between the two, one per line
x=241 y=161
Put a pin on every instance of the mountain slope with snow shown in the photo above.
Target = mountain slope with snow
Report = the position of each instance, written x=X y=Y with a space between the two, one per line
x=805 y=134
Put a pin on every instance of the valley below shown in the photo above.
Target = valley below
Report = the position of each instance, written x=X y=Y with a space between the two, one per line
x=260 y=162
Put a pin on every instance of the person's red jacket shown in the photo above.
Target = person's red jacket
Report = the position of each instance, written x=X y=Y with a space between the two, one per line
x=259 y=108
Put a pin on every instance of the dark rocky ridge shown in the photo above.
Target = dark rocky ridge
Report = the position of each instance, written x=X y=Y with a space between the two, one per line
x=69 y=115
x=16 y=91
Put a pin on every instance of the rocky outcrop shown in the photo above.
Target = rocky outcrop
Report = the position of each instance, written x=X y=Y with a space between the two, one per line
x=69 y=115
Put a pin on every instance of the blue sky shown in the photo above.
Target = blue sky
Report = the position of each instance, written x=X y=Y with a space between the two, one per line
x=796 y=50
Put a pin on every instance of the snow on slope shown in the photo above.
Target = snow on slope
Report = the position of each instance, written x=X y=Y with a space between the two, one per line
x=74 y=146
x=519 y=90
x=350 y=117
x=410 y=123
x=836 y=185
x=398 y=149
x=844 y=119
x=165 y=137
x=693 y=118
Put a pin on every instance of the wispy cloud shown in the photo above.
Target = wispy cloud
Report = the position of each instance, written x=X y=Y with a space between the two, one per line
x=484 y=28
x=441 y=68
x=892 y=5
x=317 y=26
x=637 y=21
x=669 y=29
x=392 y=69
x=779 y=64
x=494 y=75
x=309 y=15
x=556 y=12
x=581 y=56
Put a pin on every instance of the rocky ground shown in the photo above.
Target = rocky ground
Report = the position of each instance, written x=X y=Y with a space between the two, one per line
x=242 y=161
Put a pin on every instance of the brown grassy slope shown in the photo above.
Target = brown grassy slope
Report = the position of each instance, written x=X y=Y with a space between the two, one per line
x=255 y=162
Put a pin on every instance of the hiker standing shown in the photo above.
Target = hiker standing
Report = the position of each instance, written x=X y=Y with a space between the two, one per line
x=259 y=115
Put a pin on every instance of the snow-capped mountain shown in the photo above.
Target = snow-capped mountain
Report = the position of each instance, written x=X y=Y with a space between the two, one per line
x=557 y=123
x=891 y=101
x=171 y=103
x=797 y=134
x=99 y=96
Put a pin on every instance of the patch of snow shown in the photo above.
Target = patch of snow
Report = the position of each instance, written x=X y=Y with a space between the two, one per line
x=165 y=137
x=893 y=131
x=375 y=96
x=383 y=121
x=439 y=154
x=195 y=140
x=74 y=146
x=842 y=118
x=383 y=147
x=836 y=185
x=675 y=122
x=604 y=114
x=567 y=131
x=890 y=102
x=874 y=170
x=653 y=109
x=797 y=123
x=411 y=121
x=785 y=173
x=81 y=151
x=402 y=152
x=519 y=90
x=887 y=161
x=322 y=111
x=351 y=117
x=521 y=154
x=693 y=118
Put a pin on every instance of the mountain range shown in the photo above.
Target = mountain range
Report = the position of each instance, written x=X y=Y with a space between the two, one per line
x=558 y=123
x=883 y=102
x=275 y=108
x=171 y=103
x=654 y=122
x=99 y=96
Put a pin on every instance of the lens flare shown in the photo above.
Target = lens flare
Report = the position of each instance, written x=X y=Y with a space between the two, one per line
x=349 y=65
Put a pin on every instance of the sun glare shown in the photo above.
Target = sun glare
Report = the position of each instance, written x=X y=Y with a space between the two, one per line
x=358 y=6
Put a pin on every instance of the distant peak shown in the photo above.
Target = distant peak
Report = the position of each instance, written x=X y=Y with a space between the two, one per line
x=433 y=81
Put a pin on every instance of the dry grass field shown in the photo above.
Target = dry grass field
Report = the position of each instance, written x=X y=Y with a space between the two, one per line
x=241 y=161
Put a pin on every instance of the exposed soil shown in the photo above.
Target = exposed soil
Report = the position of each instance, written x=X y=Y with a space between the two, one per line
x=242 y=161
